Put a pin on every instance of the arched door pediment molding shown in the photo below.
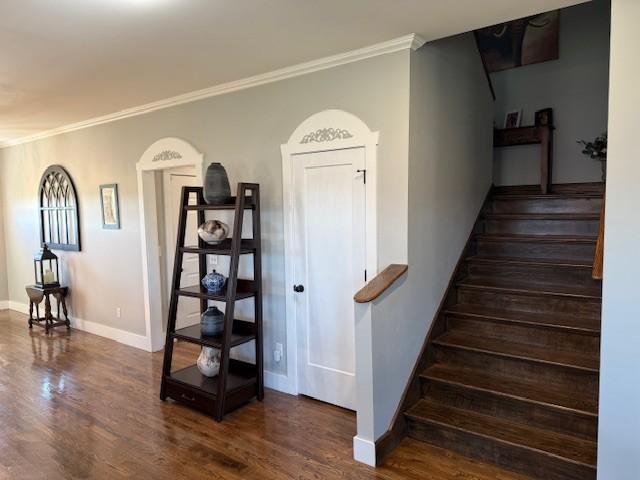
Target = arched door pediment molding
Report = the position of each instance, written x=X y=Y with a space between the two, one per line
x=169 y=152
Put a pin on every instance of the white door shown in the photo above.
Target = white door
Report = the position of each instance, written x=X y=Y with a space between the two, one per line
x=174 y=179
x=329 y=229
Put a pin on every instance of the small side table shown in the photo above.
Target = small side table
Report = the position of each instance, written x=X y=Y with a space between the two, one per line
x=36 y=295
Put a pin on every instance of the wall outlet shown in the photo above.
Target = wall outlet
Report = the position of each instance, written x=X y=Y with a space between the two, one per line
x=118 y=312
x=278 y=353
x=213 y=260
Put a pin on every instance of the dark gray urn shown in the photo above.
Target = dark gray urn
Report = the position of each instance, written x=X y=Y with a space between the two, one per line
x=216 y=185
x=212 y=322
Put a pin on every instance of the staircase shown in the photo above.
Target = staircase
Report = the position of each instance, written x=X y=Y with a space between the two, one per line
x=511 y=370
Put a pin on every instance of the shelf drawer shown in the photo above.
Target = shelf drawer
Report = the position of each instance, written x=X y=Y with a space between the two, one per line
x=191 y=397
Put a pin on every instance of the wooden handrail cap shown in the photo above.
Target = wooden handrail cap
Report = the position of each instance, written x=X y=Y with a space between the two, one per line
x=380 y=283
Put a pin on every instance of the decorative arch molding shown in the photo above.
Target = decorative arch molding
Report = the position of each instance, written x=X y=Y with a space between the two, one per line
x=169 y=152
x=332 y=130
x=326 y=135
x=331 y=126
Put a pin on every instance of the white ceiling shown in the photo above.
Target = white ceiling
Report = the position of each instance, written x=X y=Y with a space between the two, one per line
x=66 y=61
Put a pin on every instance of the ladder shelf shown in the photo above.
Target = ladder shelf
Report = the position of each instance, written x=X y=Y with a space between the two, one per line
x=237 y=382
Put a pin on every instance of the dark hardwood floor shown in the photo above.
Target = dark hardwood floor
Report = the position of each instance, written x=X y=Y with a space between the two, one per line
x=76 y=406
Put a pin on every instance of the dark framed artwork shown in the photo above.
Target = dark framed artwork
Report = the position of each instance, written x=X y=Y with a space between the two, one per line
x=521 y=42
x=513 y=119
x=544 y=117
x=110 y=206
x=58 y=208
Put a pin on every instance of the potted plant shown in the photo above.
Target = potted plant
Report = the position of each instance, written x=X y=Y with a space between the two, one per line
x=597 y=150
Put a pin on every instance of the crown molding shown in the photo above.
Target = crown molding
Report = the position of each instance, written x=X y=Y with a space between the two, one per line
x=416 y=41
x=411 y=41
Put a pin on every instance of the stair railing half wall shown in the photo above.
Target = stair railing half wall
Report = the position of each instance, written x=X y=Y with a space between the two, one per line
x=365 y=444
x=598 y=259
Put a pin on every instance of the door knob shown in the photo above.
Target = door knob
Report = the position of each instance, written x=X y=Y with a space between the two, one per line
x=298 y=288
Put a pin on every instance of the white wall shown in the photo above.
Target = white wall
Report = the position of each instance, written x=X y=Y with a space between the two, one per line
x=575 y=86
x=244 y=131
x=450 y=169
x=619 y=416
x=4 y=292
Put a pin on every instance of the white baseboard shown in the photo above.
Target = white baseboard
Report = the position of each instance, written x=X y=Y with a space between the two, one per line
x=364 y=451
x=279 y=382
x=4 y=304
x=18 y=307
x=121 y=336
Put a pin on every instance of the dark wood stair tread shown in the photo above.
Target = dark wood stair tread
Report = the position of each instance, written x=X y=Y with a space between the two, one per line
x=513 y=237
x=583 y=323
x=548 y=196
x=521 y=351
x=565 y=447
x=542 y=216
x=564 y=189
x=512 y=388
x=529 y=287
x=525 y=261
x=515 y=378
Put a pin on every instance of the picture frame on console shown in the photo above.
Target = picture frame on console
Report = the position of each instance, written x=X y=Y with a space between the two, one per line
x=513 y=119
x=544 y=117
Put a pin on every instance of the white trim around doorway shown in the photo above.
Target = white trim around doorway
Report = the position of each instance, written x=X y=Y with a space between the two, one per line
x=328 y=130
x=163 y=154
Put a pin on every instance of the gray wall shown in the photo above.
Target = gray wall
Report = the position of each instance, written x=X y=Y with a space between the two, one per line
x=619 y=416
x=575 y=86
x=450 y=169
x=244 y=131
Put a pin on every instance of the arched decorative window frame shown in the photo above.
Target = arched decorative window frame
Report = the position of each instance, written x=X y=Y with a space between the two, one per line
x=75 y=208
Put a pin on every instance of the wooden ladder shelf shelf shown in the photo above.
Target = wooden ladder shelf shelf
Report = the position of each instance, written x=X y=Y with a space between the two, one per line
x=238 y=382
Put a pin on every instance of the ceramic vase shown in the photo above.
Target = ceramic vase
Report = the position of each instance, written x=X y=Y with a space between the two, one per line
x=209 y=361
x=214 y=282
x=216 y=185
x=213 y=231
x=212 y=322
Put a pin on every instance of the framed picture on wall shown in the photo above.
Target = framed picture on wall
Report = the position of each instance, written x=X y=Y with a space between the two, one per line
x=512 y=119
x=110 y=207
x=520 y=42
x=544 y=117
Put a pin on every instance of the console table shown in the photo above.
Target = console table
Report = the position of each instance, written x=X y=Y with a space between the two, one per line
x=542 y=135
x=36 y=295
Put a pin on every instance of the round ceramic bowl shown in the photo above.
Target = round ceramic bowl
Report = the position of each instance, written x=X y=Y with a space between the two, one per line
x=213 y=231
